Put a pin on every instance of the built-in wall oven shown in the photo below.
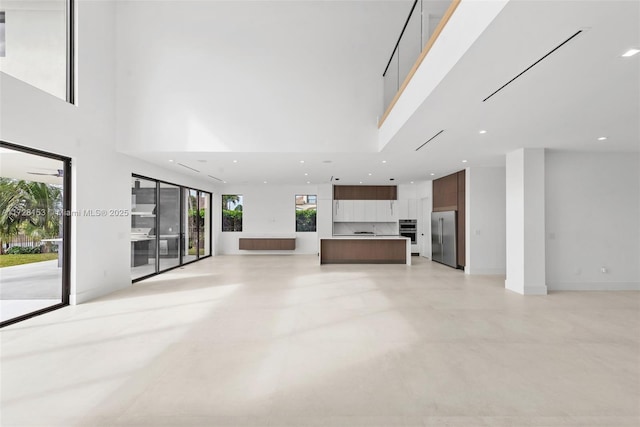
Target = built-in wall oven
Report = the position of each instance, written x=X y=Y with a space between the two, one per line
x=409 y=228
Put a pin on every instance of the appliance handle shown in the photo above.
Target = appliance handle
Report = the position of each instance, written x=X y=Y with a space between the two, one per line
x=441 y=229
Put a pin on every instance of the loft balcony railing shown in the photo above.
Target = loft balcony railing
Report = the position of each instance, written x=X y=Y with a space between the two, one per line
x=426 y=20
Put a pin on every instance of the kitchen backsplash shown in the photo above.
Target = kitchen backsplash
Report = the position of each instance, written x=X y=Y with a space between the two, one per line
x=379 y=228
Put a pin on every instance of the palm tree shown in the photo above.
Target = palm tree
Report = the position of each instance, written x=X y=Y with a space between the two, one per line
x=229 y=200
x=30 y=207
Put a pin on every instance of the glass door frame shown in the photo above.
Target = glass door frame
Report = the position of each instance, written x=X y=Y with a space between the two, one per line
x=66 y=229
x=183 y=189
x=186 y=190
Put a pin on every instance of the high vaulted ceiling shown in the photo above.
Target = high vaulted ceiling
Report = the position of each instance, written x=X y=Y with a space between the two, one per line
x=286 y=89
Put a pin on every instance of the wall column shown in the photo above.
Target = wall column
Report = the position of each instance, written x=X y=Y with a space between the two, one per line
x=525 y=221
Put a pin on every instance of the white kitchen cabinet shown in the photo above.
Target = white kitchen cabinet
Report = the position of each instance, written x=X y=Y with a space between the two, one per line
x=343 y=210
x=403 y=208
x=386 y=210
x=395 y=214
x=407 y=209
x=358 y=210
x=369 y=210
x=365 y=211
x=412 y=209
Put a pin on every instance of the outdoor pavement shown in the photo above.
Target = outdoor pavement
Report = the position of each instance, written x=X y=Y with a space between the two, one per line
x=38 y=280
x=29 y=287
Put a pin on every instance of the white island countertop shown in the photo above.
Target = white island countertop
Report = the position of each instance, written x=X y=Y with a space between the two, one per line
x=366 y=236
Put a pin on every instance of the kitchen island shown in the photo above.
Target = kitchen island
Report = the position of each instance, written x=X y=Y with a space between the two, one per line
x=368 y=249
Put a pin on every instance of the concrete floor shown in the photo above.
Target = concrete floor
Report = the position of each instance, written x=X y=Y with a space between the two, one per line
x=29 y=287
x=282 y=341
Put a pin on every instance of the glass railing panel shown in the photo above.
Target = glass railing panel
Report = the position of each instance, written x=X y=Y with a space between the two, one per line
x=390 y=78
x=420 y=26
x=410 y=45
x=432 y=13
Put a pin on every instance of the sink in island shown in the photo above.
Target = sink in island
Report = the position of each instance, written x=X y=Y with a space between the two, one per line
x=365 y=250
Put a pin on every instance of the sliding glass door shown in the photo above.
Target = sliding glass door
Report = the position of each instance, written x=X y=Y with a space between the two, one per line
x=190 y=216
x=34 y=232
x=197 y=228
x=170 y=226
x=204 y=224
x=143 y=227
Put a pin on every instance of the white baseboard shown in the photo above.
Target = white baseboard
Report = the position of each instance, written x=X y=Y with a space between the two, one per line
x=486 y=271
x=595 y=286
x=525 y=290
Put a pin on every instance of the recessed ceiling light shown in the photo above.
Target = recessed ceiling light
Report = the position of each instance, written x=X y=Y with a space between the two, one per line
x=224 y=182
x=370 y=174
x=170 y=161
x=412 y=182
x=602 y=138
x=384 y=161
x=235 y=161
x=432 y=174
x=360 y=182
x=482 y=131
x=308 y=182
x=464 y=161
x=301 y=161
x=630 y=52
x=306 y=174
x=265 y=182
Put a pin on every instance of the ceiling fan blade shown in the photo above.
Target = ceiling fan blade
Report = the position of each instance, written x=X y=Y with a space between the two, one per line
x=46 y=174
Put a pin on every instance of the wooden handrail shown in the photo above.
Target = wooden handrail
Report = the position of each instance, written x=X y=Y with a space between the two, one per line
x=445 y=18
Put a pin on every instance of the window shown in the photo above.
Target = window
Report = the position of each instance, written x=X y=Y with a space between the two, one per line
x=232 y=212
x=36 y=44
x=306 y=208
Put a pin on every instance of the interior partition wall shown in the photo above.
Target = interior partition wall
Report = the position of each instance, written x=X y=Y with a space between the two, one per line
x=35 y=224
x=170 y=226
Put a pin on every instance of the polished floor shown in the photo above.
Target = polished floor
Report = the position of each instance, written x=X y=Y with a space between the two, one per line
x=282 y=341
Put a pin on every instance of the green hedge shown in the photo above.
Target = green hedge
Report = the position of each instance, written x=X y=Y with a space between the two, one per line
x=306 y=220
x=21 y=250
x=231 y=220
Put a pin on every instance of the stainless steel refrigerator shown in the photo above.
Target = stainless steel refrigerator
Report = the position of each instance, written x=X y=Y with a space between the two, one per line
x=443 y=238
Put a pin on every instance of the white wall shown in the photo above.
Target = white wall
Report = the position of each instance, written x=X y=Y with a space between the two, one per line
x=280 y=67
x=593 y=220
x=101 y=178
x=423 y=193
x=485 y=221
x=268 y=210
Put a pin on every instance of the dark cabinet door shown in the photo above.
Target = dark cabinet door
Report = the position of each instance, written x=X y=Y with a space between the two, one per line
x=445 y=193
x=365 y=192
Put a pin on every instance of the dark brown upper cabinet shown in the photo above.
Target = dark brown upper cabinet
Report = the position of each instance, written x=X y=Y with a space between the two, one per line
x=365 y=192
